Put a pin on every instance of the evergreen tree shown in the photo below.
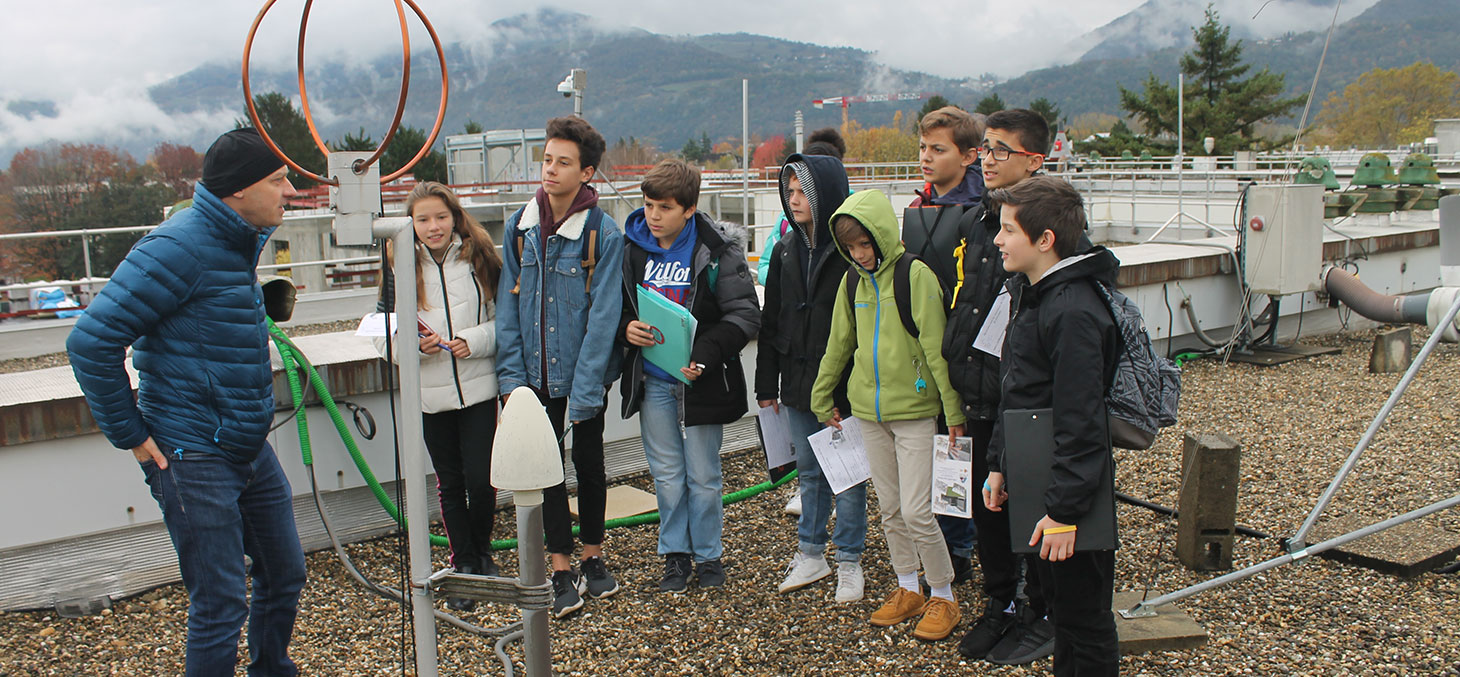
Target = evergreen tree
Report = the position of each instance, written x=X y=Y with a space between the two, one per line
x=934 y=102
x=990 y=104
x=473 y=127
x=1220 y=102
x=1050 y=112
x=360 y=141
x=404 y=146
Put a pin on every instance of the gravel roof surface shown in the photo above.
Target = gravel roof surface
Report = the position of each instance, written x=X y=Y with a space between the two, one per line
x=1296 y=422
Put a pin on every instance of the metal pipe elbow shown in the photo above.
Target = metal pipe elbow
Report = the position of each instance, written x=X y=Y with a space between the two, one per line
x=1347 y=287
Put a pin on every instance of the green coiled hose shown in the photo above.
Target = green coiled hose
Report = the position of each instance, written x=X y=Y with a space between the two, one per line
x=293 y=359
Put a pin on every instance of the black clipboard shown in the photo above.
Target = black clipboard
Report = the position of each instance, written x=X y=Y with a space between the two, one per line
x=1028 y=455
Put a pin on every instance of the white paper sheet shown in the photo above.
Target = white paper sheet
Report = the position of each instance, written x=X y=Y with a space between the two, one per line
x=842 y=455
x=991 y=335
x=374 y=324
x=953 y=492
x=775 y=436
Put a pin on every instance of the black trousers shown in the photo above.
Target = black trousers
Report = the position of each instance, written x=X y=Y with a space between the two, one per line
x=592 y=482
x=460 y=445
x=1080 y=591
x=996 y=556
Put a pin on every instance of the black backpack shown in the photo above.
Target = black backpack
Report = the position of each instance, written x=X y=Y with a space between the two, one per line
x=901 y=286
x=1146 y=390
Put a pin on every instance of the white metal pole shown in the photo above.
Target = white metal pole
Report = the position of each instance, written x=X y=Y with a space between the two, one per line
x=413 y=456
x=1180 y=156
x=800 y=132
x=745 y=151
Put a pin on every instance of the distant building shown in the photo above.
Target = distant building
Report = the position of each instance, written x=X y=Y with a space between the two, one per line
x=496 y=156
x=1447 y=136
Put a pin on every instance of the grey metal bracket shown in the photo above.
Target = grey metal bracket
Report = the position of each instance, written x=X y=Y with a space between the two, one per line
x=1138 y=611
x=496 y=589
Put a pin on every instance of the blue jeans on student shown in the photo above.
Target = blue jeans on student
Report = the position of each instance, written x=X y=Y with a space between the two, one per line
x=959 y=533
x=850 y=535
x=686 y=469
x=217 y=511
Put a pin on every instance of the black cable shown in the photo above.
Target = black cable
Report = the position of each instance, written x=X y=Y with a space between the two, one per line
x=1301 y=296
x=402 y=563
x=1131 y=500
x=1170 y=318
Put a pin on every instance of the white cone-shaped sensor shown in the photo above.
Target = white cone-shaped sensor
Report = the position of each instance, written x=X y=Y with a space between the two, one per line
x=525 y=456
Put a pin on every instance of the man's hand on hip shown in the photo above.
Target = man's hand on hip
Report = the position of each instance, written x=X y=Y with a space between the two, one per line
x=148 y=451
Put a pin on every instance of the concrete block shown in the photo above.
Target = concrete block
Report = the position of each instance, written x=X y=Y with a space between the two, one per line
x=1406 y=550
x=1393 y=351
x=1207 y=521
x=1169 y=630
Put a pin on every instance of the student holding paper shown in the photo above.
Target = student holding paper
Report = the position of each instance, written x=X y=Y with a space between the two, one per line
x=899 y=385
x=800 y=291
x=674 y=251
x=1060 y=353
x=457 y=267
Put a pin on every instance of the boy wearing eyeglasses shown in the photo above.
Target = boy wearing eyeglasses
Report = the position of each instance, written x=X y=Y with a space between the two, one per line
x=1009 y=631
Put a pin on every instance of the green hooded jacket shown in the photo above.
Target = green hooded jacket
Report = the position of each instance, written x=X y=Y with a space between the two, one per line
x=895 y=377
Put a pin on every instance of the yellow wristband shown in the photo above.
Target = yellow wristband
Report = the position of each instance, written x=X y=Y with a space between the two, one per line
x=1059 y=530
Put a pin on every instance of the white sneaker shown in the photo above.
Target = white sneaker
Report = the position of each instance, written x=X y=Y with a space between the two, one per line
x=849 y=582
x=803 y=571
x=793 y=506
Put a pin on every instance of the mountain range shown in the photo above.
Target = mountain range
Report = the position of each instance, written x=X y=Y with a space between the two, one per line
x=666 y=89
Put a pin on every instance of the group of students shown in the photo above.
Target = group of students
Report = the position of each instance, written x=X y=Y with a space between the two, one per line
x=557 y=312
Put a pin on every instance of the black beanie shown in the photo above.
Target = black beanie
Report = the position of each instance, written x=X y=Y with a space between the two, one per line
x=236 y=161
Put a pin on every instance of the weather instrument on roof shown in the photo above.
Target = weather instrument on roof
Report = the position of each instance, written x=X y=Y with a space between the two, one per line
x=354 y=196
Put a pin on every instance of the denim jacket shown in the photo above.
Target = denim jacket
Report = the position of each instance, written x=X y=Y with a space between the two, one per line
x=581 y=315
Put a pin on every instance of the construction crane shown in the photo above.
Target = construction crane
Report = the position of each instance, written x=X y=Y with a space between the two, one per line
x=844 y=101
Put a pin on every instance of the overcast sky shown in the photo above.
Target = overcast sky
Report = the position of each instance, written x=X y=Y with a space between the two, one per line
x=95 y=59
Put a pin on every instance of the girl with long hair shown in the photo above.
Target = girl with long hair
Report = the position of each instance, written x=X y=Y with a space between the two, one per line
x=457 y=268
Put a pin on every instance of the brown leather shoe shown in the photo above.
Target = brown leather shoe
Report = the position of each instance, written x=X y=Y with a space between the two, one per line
x=940 y=616
x=900 y=606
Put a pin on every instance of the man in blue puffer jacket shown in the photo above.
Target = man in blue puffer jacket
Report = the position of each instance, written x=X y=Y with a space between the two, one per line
x=187 y=299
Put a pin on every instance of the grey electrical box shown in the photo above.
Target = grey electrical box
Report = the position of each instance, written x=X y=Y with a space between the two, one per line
x=1283 y=238
x=356 y=200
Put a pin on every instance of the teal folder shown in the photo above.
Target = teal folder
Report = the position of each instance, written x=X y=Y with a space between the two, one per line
x=674 y=332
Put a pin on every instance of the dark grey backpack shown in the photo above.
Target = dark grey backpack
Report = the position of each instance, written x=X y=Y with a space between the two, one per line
x=1144 y=394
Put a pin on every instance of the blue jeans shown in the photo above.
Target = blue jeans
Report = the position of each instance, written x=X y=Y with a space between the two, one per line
x=686 y=469
x=850 y=535
x=959 y=533
x=217 y=511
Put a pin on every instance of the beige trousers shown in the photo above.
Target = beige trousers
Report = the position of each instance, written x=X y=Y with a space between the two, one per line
x=900 y=454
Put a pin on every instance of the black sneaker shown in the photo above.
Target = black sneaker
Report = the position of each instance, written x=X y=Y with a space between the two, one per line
x=600 y=583
x=710 y=573
x=1031 y=639
x=487 y=567
x=462 y=604
x=676 y=572
x=991 y=627
x=568 y=588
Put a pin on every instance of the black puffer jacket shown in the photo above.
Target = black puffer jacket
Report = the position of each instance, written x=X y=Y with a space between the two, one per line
x=801 y=288
x=727 y=319
x=974 y=372
x=1059 y=330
